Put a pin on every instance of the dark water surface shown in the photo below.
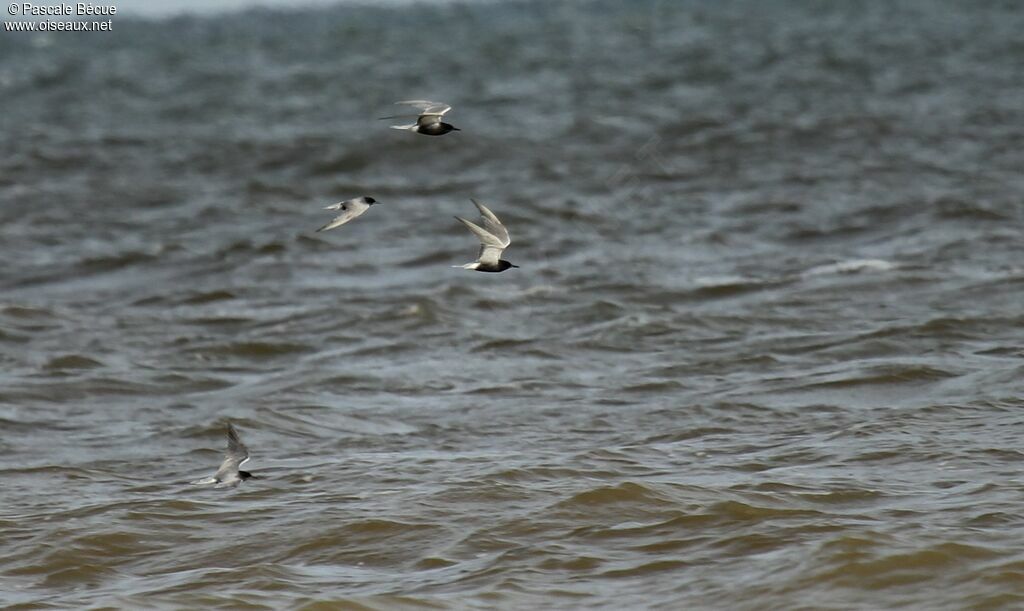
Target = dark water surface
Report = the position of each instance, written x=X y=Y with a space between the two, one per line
x=764 y=350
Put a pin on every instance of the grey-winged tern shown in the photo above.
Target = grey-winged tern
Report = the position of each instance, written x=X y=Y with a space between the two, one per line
x=429 y=120
x=350 y=209
x=493 y=238
x=229 y=473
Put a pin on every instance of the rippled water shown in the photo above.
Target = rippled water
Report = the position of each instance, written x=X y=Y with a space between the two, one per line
x=763 y=352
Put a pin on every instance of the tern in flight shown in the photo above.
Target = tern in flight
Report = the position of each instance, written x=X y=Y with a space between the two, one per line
x=350 y=209
x=493 y=238
x=229 y=473
x=429 y=120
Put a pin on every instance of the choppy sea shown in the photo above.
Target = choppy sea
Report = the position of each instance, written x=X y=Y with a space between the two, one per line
x=763 y=350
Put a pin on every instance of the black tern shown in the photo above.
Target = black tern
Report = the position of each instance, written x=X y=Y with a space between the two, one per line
x=229 y=473
x=350 y=209
x=493 y=238
x=429 y=120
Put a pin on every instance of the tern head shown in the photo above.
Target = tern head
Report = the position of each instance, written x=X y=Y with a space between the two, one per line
x=369 y=200
x=245 y=475
x=503 y=265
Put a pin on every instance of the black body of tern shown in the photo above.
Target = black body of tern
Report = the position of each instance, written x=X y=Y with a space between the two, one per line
x=493 y=238
x=229 y=473
x=429 y=120
x=350 y=209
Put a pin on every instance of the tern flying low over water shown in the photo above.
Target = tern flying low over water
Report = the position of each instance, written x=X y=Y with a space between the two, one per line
x=493 y=238
x=429 y=120
x=229 y=473
x=350 y=209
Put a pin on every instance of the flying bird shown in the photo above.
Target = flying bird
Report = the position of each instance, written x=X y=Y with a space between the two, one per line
x=350 y=209
x=429 y=120
x=493 y=238
x=229 y=473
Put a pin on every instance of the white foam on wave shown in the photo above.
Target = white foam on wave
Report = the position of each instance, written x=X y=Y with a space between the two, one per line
x=712 y=282
x=852 y=266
